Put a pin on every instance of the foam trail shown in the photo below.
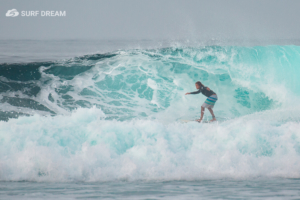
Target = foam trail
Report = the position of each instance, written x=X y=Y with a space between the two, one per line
x=86 y=147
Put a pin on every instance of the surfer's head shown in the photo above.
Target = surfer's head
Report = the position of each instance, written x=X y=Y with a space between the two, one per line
x=198 y=84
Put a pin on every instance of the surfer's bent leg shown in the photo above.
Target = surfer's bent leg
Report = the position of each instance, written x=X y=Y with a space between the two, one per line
x=212 y=114
x=202 y=113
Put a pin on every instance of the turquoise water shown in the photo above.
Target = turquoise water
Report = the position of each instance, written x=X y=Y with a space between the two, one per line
x=112 y=119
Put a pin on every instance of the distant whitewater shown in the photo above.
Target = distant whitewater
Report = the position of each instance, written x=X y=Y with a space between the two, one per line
x=115 y=116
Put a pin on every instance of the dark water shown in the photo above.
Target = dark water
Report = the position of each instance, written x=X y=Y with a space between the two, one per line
x=206 y=189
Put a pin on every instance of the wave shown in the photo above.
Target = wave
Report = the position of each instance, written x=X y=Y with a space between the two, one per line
x=147 y=83
x=114 y=116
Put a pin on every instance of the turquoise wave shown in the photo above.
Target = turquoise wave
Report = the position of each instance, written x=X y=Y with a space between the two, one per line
x=150 y=83
x=116 y=116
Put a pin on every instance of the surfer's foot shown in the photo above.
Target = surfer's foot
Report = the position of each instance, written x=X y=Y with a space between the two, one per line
x=199 y=120
x=213 y=119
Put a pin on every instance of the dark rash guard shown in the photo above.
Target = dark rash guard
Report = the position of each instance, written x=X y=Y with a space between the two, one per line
x=204 y=91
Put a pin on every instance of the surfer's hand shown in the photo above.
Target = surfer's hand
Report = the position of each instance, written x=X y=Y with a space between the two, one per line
x=208 y=89
x=187 y=93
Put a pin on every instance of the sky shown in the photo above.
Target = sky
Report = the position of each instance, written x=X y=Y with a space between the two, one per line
x=155 y=19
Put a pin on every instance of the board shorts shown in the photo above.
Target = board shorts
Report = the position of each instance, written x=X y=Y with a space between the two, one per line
x=210 y=101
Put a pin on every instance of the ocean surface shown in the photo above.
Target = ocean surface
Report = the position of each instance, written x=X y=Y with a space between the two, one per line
x=86 y=119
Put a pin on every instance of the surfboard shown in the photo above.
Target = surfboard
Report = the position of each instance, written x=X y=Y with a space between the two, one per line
x=186 y=120
x=203 y=121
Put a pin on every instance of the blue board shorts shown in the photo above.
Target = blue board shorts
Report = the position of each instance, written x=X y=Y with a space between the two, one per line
x=210 y=101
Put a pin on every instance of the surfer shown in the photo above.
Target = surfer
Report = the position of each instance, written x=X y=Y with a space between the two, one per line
x=210 y=101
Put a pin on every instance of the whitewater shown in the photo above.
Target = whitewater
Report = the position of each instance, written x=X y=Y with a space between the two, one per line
x=114 y=117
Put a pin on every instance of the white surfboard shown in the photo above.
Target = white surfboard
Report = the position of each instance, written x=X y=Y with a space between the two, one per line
x=186 y=120
x=203 y=121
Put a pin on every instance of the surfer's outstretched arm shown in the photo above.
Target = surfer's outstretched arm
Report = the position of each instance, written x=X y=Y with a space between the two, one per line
x=196 y=92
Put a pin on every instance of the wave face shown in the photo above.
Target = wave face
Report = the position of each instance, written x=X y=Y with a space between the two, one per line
x=115 y=116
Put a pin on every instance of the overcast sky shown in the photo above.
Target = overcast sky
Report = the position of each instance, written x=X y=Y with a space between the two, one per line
x=155 y=19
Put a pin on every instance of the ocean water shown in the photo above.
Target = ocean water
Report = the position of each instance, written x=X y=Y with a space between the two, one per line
x=101 y=119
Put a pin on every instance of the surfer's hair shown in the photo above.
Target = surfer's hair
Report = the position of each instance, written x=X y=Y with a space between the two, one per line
x=199 y=83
